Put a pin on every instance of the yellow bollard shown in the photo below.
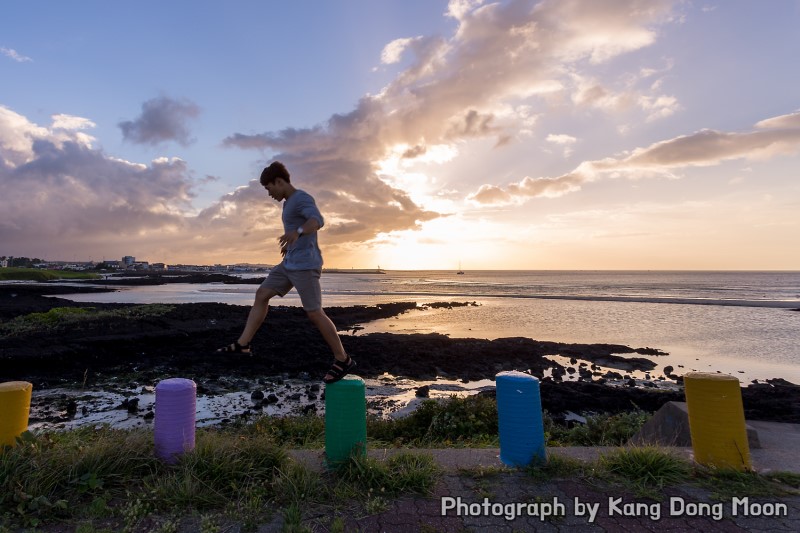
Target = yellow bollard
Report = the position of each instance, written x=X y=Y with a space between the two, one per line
x=15 y=405
x=716 y=420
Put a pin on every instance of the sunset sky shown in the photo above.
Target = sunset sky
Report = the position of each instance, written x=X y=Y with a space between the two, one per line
x=614 y=134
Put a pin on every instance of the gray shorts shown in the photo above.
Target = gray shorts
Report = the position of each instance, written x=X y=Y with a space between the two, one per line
x=305 y=281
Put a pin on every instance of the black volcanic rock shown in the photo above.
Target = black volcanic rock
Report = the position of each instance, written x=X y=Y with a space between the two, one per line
x=183 y=342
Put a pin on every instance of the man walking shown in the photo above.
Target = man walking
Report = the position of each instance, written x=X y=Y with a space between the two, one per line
x=301 y=268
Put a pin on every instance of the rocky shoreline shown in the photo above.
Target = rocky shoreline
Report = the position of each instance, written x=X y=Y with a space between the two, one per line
x=180 y=339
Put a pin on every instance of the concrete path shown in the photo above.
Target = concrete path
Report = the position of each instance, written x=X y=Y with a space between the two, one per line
x=477 y=493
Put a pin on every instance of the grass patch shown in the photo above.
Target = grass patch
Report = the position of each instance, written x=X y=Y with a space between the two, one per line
x=292 y=520
x=37 y=274
x=61 y=474
x=483 y=472
x=455 y=422
x=647 y=469
x=222 y=467
x=599 y=430
x=112 y=477
x=293 y=432
x=71 y=318
x=297 y=485
x=790 y=479
x=727 y=483
x=403 y=473
x=560 y=467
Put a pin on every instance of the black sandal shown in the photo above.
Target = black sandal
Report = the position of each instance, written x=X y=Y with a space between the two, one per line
x=339 y=369
x=235 y=347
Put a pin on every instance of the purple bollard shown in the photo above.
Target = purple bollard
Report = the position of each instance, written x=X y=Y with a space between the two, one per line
x=174 y=424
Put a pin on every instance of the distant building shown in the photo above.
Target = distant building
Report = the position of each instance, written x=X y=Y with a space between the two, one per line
x=128 y=261
x=3 y=263
x=111 y=265
x=158 y=266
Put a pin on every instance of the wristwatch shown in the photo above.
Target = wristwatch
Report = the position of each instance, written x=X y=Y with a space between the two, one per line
x=300 y=231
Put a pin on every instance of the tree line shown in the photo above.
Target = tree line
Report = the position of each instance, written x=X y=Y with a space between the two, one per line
x=23 y=262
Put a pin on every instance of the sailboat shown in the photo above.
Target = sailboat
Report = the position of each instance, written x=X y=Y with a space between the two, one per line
x=460 y=272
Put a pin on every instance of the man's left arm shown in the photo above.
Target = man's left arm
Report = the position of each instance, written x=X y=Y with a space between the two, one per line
x=308 y=209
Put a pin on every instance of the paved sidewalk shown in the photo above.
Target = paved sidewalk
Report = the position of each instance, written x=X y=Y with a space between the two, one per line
x=779 y=452
x=566 y=506
x=478 y=494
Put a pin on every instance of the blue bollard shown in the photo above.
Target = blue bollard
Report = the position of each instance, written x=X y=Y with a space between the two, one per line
x=519 y=412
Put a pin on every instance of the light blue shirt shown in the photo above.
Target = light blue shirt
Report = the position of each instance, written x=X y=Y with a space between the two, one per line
x=304 y=253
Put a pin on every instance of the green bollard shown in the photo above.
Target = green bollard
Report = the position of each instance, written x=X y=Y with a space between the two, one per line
x=345 y=420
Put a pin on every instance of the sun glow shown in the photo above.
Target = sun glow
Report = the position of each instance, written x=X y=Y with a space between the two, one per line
x=442 y=244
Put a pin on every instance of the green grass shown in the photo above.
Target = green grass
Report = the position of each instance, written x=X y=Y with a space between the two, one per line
x=36 y=274
x=109 y=480
x=599 y=430
x=726 y=483
x=71 y=318
x=403 y=473
x=646 y=469
x=451 y=423
x=113 y=477
x=293 y=432
x=560 y=467
x=454 y=422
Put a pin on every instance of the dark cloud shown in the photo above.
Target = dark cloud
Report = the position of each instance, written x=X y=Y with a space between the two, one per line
x=163 y=119
x=414 y=152
x=472 y=124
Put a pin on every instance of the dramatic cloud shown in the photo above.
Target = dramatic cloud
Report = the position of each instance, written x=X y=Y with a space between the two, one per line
x=59 y=192
x=487 y=80
x=774 y=136
x=162 y=119
x=13 y=54
x=62 y=197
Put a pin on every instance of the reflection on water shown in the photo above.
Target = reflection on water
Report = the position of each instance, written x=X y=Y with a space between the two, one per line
x=387 y=396
x=748 y=343
x=744 y=341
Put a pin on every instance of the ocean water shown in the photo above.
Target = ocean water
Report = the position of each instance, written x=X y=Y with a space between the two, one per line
x=739 y=323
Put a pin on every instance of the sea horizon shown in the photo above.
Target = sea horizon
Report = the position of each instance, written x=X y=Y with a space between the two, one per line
x=739 y=322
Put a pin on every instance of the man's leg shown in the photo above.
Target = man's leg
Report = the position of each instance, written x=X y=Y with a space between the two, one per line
x=329 y=333
x=258 y=313
x=308 y=287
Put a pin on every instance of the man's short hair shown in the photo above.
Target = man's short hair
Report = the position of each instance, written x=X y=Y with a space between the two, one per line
x=274 y=171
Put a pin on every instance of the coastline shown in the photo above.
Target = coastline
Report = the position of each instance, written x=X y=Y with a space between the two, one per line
x=103 y=354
